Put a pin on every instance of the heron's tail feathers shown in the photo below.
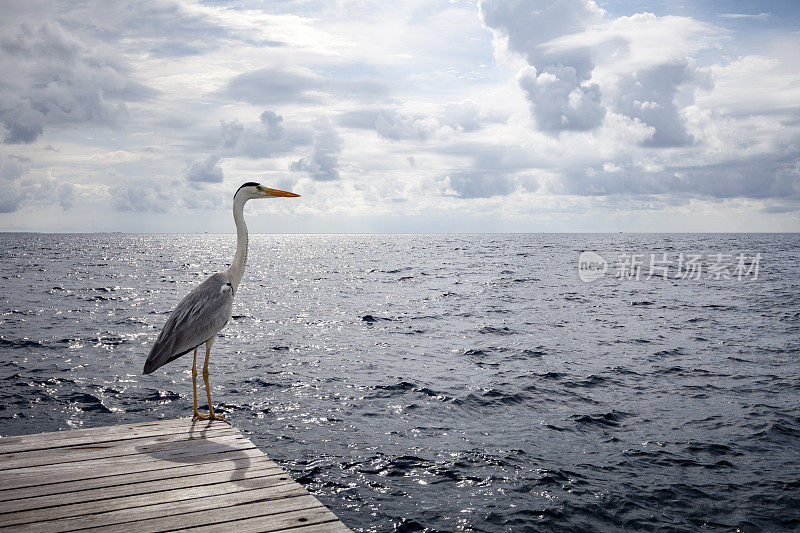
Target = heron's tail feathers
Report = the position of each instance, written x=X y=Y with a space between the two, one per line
x=159 y=356
x=150 y=366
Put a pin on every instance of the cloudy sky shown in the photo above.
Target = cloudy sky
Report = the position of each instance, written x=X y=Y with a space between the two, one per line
x=420 y=115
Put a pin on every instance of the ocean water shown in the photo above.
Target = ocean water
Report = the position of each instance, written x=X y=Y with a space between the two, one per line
x=442 y=382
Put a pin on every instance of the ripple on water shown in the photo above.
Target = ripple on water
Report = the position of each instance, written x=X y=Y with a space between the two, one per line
x=440 y=382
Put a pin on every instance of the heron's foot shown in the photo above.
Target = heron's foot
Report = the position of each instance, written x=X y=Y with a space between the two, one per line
x=204 y=416
x=220 y=418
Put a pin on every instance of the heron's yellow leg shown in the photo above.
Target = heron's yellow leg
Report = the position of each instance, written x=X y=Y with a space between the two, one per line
x=197 y=415
x=211 y=415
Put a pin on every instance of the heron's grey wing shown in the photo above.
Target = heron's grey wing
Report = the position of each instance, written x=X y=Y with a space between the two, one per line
x=197 y=318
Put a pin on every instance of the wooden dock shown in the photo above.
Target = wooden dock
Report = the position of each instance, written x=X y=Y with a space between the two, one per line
x=158 y=476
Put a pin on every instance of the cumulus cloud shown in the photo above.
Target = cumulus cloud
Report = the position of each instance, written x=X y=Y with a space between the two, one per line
x=620 y=108
x=560 y=101
x=557 y=83
x=20 y=188
x=58 y=80
x=753 y=85
x=11 y=170
x=396 y=125
x=463 y=115
x=759 y=16
x=275 y=85
x=206 y=171
x=273 y=124
x=67 y=194
x=231 y=132
x=650 y=96
x=479 y=184
x=759 y=178
x=267 y=137
x=280 y=85
x=323 y=162
x=147 y=198
x=582 y=65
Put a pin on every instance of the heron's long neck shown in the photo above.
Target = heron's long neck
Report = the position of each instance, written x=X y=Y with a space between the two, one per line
x=237 y=267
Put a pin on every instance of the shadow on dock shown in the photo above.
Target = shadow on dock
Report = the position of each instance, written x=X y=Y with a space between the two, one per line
x=205 y=444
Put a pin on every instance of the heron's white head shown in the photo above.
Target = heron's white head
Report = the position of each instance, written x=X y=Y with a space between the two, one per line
x=251 y=190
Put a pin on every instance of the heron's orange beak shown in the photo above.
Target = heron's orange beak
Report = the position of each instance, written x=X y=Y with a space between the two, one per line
x=279 y=193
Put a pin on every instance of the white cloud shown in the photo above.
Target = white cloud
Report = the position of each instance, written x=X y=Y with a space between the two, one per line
x=14 y=193
x=272 y=122
x=323 y=162
x=275 y=85
x=557 y=80
x=149 y=198
x=21 y=188
x=650 y=95
x=479 y=184
x=206 y=171
x=268 y=137
x=560 y=101
x=58 y=80
x=753 y=84
x=518 y=110
x=397 y=126
x=231 y=132
x=759 y=16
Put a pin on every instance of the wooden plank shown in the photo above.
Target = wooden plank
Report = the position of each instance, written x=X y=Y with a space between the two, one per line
x=161 y=484
x=112 y=519
x=156 y=476
x=316 y=515
x=103 y=434
x=106 y=449
x=273 y=483
x=258 y=460
x=160 y=451
x=203 y=452
x=327 y=527
x=225 y=514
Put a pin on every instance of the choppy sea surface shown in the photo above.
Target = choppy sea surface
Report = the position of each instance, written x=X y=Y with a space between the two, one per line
x=442 y=382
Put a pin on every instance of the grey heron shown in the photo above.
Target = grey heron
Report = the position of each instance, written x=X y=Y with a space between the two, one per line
x=204 y=312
